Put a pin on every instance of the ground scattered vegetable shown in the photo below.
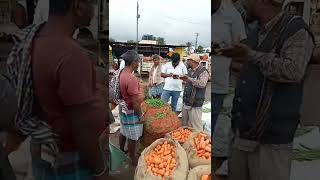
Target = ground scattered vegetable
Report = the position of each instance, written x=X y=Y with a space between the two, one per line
x=305 y=154
x=203 y=146
x=181 y=134
x=303 y=130
x=206 y=110
x=162 y=160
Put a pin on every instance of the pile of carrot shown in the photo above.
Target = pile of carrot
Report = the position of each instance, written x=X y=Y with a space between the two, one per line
x=161 y=161
x=203 y=146
x=206 y=177
x=181 y=134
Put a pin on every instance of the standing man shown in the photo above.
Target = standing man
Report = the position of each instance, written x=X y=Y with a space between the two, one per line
x=228 y=28
x=268 y=97
x=68 y=120
x=194 y=92
x=122 y=64
x=155 y=79
x=172 y=84
x=130 y=112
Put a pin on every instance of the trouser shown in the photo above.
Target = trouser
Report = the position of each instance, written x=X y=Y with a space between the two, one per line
x=217 y=106
x=174 y=98
x=192 y=118
x=267 y=162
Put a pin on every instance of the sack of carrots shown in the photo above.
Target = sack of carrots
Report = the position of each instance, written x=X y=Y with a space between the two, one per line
x=201 y=173
x=159 y=120
x=198 y=149
x=163 y=160
x=181 y=134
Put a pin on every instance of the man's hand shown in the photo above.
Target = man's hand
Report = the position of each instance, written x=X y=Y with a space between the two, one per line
x=142 y=119
x=184 y=78
x=238 y=50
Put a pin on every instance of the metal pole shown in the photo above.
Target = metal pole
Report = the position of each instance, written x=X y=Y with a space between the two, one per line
x=197 y=34
x=138 y=16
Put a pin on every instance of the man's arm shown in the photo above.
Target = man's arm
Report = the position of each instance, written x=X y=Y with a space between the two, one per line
x=290 y=66
x=202 y=81
x=135 y=95
x=84 y=108
x=238 y=28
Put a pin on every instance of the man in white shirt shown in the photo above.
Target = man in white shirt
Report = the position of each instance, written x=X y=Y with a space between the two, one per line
x=171 y=71
x=228 y=28
x=122 y=64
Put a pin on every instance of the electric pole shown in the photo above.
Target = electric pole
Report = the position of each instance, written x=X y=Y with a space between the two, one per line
x=138 y=16
x=197 y=35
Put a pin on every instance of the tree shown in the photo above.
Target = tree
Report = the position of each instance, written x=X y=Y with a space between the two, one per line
x=131 y=41
x=200 y=49
x=161 y=41
x=112 y=40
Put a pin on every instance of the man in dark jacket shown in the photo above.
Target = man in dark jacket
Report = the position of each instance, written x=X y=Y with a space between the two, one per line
x=194 y=92
x=266 y=108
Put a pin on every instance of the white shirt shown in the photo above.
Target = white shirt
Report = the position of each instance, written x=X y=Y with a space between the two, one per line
x=227 y=27
x=41 y=12
x=171 y=84
x=122 y=64
x=155 y=73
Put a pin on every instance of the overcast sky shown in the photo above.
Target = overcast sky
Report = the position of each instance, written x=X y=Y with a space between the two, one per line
x=175 y=20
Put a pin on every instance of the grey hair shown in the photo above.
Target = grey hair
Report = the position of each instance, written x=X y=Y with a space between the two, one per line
x=130 y=57
x=156 y=56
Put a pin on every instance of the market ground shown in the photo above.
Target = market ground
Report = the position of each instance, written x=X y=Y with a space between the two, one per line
x=114 y=138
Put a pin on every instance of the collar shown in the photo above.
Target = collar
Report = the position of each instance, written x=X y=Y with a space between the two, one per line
x=269 y=25
x=222 y=7
x=195 y=69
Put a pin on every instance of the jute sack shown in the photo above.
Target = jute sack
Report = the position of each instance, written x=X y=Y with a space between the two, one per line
x=190 y=149
x=168 y=135
x=181 y=171
x=197 y=172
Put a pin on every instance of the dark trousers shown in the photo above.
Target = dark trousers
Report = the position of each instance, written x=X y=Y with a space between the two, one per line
x=217 y=106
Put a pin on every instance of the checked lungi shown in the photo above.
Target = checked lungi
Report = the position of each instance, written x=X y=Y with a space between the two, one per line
x=68 y=166
x=130 y=126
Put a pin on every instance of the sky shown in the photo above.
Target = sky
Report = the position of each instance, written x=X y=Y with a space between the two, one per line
x=177 y=21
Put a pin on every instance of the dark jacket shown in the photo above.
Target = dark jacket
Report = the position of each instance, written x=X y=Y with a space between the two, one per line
x=263 y=110
x=194 y=96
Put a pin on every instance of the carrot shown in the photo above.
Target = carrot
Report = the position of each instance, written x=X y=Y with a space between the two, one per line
x=207 y=155
x=204 y=177
x=161 y=161
x=207 y=148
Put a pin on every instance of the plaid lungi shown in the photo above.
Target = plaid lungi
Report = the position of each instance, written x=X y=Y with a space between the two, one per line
x=156 y=90
x=129 y=126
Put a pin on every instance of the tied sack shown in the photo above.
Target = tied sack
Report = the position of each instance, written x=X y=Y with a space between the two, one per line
x=176 y=133
x=180 y=172
x=191 y=150
x=197 y=172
